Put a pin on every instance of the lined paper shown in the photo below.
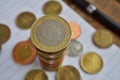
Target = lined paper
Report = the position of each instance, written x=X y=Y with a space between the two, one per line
x=9 y=70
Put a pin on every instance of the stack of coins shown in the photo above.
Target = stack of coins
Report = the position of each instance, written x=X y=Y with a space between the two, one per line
x=51 y=35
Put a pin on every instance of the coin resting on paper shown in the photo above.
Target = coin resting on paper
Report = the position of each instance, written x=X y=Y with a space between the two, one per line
x=25 y=20
x=4 y=33
x=68 y=72
x=91 y=62
x=74 y=49
x=36 y=74
x=76 y=31
x=52 y=7
x=103 y=38
x=24 y=52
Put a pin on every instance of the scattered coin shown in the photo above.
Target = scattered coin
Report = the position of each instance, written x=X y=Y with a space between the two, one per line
x=36 y=75
x=91 y=62
x=25 y=20
x=68 y=73
x=103 y=38
x=52 y=7
x=4 y=33
x=76 y=31
x=24 y=52
x=74 y=48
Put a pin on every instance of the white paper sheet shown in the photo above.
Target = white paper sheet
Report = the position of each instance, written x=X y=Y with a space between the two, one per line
x=9 y=70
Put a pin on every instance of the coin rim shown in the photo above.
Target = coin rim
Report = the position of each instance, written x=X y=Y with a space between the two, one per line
x=85 y=69
x=55 y=48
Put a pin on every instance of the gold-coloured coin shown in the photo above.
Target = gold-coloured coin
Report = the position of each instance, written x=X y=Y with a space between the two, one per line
x=52 y=7
x=4 y=33
x=91 y=62
x=36 y=75
x=103 y=38
x=68 y=73
x=50 y=33
x=25 y=20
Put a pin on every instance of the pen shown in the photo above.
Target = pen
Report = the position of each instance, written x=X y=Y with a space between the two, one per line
x=90 y=8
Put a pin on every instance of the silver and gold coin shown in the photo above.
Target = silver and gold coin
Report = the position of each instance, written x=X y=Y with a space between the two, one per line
x=25 y=20
x=74 y=49
x=36 y=75
x=51 y=33
x=103 y=38
x=91 y=62
x=68 y=73
x=52 y=7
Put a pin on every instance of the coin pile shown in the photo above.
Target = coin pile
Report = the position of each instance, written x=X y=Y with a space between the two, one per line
x=51 y=35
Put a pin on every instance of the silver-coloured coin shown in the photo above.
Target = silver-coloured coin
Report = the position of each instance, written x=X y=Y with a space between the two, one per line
x=74 y=48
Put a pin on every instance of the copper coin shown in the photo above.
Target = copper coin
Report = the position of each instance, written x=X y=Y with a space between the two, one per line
x=36 y=75
x=91 y=62
x=103 y=38
x=52 y=7
x=4 y=33
x=76 y=31
x=25 y=20
x=24 y=52
x=68 y=73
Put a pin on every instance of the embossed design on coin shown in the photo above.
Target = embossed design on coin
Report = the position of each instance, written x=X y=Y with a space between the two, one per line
x=103 y=38
x=52 y=7
x=52 y=28
x=68 y=73
x=24 y=52
x=25 y=20
x=91 y=62
x=36 y=75
x=50 y=33
x=4 y=33
x=74 y=48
